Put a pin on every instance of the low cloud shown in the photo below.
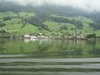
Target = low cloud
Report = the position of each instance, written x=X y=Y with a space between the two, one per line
x=86 y=5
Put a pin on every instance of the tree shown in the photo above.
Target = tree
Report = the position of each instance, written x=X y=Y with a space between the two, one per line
x=93 y=35
x=2 y=24
x=7 y=18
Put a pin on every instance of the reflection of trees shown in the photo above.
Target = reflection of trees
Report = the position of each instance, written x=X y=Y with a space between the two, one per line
x=21 y=49
x=70 y=48
x=43 y=46
x=94 y=51
x=71 y=45
x=52 y=48
x=2 y=43
x=81 y=48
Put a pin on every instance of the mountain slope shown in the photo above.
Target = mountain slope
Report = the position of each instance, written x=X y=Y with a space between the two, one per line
x=48 y=19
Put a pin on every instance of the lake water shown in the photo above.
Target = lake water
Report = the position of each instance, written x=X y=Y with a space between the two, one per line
x=49 y=57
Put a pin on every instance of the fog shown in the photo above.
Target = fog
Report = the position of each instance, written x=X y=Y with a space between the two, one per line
x=86 y=5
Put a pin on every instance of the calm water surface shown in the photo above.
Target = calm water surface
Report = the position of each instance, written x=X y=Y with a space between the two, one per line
x=49 y=57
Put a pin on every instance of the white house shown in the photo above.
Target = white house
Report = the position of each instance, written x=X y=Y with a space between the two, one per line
x=27 y=36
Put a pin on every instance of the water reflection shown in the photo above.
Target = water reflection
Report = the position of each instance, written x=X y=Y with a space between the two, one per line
x=30 y=40
x=51 y=48
x=49 y=57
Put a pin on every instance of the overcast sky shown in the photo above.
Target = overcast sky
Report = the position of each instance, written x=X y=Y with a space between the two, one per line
x=90 y=5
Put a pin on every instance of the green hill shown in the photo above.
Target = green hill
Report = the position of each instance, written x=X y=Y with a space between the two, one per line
x=14 y=23
x=26 y=22
x=19 y=20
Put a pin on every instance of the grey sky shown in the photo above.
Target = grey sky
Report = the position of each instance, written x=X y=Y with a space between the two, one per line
x=90 y=5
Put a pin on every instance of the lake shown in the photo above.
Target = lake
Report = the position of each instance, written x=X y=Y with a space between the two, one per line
x=49 y=57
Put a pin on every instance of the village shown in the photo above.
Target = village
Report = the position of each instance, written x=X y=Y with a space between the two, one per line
x=41 y=36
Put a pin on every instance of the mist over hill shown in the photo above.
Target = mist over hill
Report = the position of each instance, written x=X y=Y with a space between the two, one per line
x=10 y=5
x=48 y=18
